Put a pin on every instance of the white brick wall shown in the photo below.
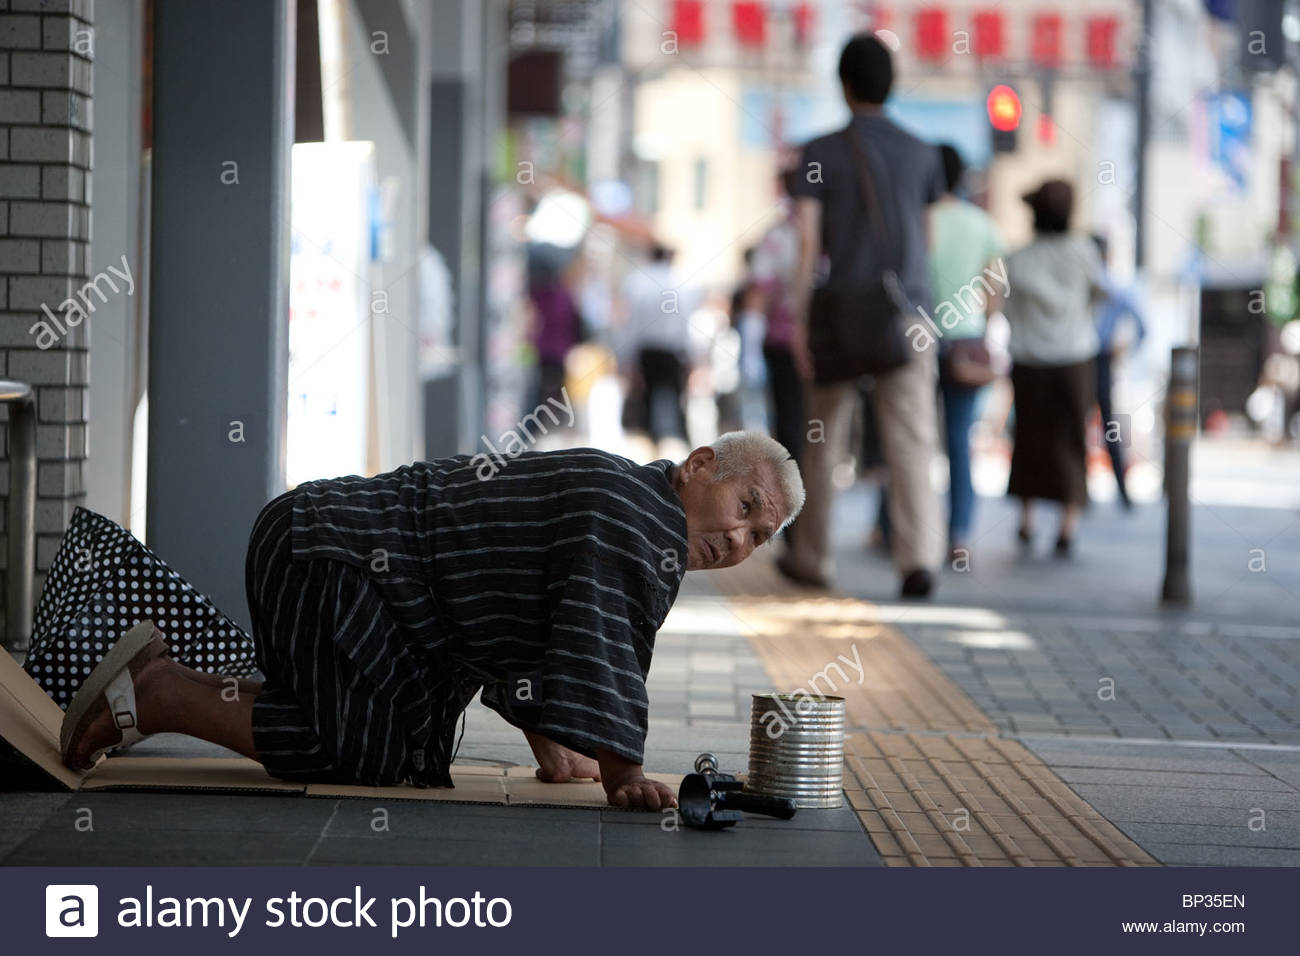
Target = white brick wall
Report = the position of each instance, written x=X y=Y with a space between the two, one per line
x=45 y=153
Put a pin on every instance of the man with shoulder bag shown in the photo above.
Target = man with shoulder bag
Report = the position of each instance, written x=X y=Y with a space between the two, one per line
x=861 y=199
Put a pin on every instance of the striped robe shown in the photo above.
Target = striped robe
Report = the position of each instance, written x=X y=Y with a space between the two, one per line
x=542 y=585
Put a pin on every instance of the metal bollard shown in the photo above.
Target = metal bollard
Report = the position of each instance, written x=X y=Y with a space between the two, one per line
x=1181 y=420
x=21 y=525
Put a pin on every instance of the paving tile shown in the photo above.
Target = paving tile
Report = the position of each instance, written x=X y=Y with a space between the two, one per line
x=359 y=818
x=510 y=753
x=1180 y=854
x=169 y=848
x=1124 y=757
x=192 y=812
x=1284 y=767
x=936 y=847
x=1101 y=795
x=28 y=810
x=839 y=820
x=1124 y=812
x=711 y=662
x=24 y=814
x=631 y=845
x=1275 y=837
x=1172 y=781
x=574 y=846
x=886 y=845
x=715 y=738
x=704 y=708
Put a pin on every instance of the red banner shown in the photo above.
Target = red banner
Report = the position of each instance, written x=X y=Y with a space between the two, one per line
x=749 y=19
x=1102 y=32
x=989 y=40
x=805 y=19
x=1045 y=45
x=932 y=36
x=688 y=22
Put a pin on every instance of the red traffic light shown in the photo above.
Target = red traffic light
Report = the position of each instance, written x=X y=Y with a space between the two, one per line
x=1004 y=108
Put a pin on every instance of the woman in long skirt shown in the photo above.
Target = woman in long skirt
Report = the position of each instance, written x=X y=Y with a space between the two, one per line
x=1054 y=282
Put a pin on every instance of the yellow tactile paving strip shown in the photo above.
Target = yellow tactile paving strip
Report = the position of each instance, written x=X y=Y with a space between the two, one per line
x=948 y=800
x=900 y=689
x=925 y=769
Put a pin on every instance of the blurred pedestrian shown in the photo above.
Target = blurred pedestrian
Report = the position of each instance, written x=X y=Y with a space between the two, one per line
x=1276 y=392
x=751 y=327
x=556 y=329
x=658 y=329
x=773 y=271
x=964 y=244
x=876 y=167
x=1055 y=282
x=1119 y=326
x=733 y=354
x=713 y=397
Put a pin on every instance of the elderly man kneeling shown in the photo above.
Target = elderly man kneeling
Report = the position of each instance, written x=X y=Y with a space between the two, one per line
x=380 y=607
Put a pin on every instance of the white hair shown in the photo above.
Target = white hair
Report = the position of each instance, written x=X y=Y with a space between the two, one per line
x=742 y=453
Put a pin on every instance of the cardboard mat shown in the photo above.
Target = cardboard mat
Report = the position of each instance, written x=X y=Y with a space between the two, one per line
x=30 y=721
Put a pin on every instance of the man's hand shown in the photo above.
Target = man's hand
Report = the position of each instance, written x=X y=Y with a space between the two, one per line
x=627 y=786
x=559 y=764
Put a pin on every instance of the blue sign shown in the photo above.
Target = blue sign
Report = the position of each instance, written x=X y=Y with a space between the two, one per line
x=1230 y=122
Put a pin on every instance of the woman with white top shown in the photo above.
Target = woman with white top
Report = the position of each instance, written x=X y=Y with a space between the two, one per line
x=1054 y=283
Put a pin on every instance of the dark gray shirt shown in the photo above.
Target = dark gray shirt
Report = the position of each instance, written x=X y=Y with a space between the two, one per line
x=908 y=176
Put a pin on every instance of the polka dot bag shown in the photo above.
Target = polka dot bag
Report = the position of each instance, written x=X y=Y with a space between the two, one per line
x=102 y=582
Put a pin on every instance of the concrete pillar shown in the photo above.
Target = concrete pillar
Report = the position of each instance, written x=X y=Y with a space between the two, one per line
x=46 y=303
x=219 y=282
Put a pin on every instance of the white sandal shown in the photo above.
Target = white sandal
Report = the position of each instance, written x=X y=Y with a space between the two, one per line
x=112 y=684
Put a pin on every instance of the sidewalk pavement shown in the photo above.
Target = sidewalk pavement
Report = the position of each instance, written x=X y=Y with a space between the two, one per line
x=1180 y=727
x=704 y=673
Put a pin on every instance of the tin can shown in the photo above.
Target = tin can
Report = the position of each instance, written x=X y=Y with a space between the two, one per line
x=796 y=748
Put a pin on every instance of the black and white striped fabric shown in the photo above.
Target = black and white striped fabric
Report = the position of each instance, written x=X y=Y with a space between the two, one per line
x=541 y=579
x=348 y=696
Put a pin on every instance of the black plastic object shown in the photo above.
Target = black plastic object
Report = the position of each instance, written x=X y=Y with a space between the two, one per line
x=711 y=800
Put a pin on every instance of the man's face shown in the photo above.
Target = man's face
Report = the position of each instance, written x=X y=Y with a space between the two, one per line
x=726 y=520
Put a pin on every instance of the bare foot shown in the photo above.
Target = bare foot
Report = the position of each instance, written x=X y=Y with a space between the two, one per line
x=559 y=764
x=626 y=785
x=103 y=731
x=640 y=793
x=243 y=686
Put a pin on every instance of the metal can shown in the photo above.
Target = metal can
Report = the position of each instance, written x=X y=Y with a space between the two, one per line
x=796 y=748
